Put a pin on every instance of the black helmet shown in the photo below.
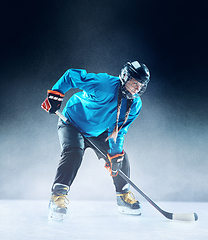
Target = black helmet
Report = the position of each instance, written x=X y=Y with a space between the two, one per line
x=135 y=70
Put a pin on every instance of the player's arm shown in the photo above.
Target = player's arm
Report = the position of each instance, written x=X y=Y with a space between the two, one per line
x=70 y=79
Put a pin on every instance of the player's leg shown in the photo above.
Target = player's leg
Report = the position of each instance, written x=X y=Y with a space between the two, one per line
x=127 y=204
x=125 y=199
x=72 y=150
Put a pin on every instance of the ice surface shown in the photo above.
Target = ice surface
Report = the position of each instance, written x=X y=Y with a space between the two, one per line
x=100 y=220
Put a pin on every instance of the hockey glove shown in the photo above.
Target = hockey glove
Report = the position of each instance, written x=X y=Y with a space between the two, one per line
x=53 y=101
x=115 y=163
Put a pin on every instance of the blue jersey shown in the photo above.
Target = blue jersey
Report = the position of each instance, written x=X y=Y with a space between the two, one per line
x=94 y=109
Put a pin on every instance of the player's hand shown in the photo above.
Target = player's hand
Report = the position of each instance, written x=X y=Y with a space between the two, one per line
x=115 y=163
x=53 y=101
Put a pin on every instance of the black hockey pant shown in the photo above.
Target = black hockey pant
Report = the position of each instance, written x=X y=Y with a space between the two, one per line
x=73 y=146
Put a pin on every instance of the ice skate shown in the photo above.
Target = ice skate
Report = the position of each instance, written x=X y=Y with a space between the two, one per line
x=58 y=202
x=127 y=204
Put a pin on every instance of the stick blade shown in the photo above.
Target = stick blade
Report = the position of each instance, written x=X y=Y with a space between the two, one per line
x=185 y=216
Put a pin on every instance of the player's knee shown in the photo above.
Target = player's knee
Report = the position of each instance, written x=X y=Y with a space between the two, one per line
x=72 y=152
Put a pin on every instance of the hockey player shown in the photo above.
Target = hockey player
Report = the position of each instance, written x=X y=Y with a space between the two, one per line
x=103 y=112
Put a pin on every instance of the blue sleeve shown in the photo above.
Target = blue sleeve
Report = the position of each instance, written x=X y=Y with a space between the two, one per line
x=91 y=83
x=117 y=147
x=72 y=78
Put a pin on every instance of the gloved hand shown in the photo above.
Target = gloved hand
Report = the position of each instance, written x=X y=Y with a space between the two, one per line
x=53 y=101
x=115 y=163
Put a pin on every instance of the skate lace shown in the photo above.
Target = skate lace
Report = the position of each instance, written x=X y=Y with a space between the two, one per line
x=129 y=197
x=60 y=200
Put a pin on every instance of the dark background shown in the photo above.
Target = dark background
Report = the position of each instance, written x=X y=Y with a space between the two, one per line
x=167 y=144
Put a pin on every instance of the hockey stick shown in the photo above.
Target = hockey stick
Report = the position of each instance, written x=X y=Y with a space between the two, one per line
x=171 y=216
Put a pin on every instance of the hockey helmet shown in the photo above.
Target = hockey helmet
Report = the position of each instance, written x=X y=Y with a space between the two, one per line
x=135 y=70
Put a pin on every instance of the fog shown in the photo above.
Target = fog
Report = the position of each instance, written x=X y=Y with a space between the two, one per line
x=167 y=143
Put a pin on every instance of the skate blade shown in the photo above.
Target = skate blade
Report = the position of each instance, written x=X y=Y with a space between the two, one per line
x=55 y=216
x=126 y=210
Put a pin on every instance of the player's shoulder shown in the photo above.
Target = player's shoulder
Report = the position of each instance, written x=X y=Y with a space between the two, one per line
x=106 y=78
x=76 y=71
x=103 y=79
